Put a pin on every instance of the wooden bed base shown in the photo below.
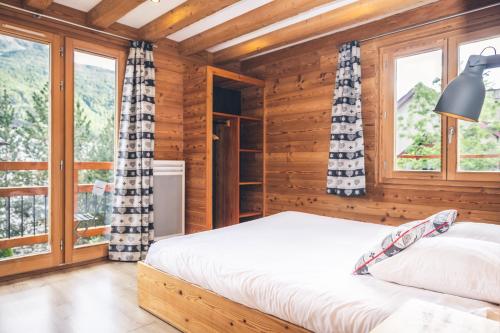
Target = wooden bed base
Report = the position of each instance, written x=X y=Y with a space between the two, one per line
x=190 y=308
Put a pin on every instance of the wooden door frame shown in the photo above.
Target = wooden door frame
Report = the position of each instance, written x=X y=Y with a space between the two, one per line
x=85 y=253
x=56 y=123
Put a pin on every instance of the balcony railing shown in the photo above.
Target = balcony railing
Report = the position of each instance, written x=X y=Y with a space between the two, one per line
x=474 y=156
x=493 y=161
x=26 y=213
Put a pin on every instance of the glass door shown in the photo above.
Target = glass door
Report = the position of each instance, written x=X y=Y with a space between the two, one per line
x=30 y=150
x=92 y=104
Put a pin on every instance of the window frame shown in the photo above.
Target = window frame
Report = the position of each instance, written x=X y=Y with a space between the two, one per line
x=454 y=43
x=449 y=175
x=56 y=186
x=389 y=55
x=92 y=251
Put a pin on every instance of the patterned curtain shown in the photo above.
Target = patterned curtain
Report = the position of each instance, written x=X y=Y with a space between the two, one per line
x=346 y=164
x=132 y=222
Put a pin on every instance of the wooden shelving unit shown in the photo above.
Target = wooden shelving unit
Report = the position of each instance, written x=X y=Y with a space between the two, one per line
x=239 y=150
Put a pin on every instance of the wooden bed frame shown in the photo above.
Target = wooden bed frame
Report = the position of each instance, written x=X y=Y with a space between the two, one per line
x=190 y=308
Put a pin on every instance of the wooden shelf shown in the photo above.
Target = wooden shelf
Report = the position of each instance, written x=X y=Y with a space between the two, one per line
x=244 y=150
x=233 y=116
x=249 y=214
x=250 y=118
x=225 y=115
x=250 y=183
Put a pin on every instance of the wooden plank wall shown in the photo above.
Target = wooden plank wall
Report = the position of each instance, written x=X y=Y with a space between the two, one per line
x=196 y=131
x=299 y=88
x=169 y=103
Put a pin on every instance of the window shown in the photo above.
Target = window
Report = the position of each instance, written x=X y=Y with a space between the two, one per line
x=25 y=111
x=417 y=128
x=94 y=136
x=93 y=75
x=479 y=143
x=418 y=144
x=55 y=90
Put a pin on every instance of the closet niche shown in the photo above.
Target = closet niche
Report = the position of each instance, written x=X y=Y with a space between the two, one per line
x=237 y=149
x=224 y=130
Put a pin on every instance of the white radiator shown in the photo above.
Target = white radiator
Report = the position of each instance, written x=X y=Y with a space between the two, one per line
x=169 y=198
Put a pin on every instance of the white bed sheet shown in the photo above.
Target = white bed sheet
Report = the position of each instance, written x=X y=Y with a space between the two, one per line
x=297 y=267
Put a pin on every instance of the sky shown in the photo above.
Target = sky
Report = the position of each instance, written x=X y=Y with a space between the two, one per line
x=84 y=58
x=426 y=67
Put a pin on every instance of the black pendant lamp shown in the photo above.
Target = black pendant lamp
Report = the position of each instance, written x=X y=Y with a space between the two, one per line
x=463 y=98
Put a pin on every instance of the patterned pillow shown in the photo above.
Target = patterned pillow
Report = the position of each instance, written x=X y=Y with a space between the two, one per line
x=440 y=223
x=404 y=236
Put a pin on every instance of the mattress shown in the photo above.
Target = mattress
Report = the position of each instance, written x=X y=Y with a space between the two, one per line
x=297 y=267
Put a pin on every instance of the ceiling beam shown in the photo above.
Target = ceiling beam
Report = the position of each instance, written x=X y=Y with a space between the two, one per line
x=182 y=16
x=38 y=4
x=355 y=14
x=260 y=17
x=108 y=12
x=381 y=27
x=67 y=14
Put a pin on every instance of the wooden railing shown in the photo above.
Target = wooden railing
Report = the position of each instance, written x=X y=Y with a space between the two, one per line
x=418 y=157
x=36 y=236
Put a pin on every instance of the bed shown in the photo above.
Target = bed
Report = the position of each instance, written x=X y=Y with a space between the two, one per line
x=289 y=272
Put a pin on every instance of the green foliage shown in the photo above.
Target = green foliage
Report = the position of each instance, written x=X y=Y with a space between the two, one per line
x=422 y=128
x=5 y=253
x=481 y=138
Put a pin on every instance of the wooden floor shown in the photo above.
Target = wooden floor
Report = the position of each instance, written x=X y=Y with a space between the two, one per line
x=97 y=298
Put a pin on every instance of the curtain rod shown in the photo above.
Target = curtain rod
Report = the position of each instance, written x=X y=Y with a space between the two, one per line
x=430 y=22
x=36 y=14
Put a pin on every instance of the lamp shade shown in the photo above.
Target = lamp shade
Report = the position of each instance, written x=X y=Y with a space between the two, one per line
x=463 y=98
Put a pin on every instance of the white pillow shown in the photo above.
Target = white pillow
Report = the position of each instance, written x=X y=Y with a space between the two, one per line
x=457 y=266
x=473 y=230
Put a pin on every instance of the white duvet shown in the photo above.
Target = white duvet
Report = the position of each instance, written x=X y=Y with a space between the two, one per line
x=296 y=267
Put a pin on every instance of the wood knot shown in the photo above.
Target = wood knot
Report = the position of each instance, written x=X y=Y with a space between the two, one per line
x=180 y=292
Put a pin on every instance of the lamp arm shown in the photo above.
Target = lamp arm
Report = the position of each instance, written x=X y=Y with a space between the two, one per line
x=493 y=61
x=485 y=62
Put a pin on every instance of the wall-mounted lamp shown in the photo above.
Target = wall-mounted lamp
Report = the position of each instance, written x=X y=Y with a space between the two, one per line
x=463 y=98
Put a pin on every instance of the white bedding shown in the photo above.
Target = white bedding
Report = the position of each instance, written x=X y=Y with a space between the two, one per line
x=297 y=267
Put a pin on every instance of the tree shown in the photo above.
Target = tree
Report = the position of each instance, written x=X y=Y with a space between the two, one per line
x=422 y=128
x=481 y=138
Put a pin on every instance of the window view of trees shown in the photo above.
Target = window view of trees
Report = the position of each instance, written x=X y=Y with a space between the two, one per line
x=479 y=143
x=24 y=124
x=24 y=135
x=94 y=136
x=418 y=128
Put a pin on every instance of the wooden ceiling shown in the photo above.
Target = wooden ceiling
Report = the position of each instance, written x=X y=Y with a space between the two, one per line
x=260 y=27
